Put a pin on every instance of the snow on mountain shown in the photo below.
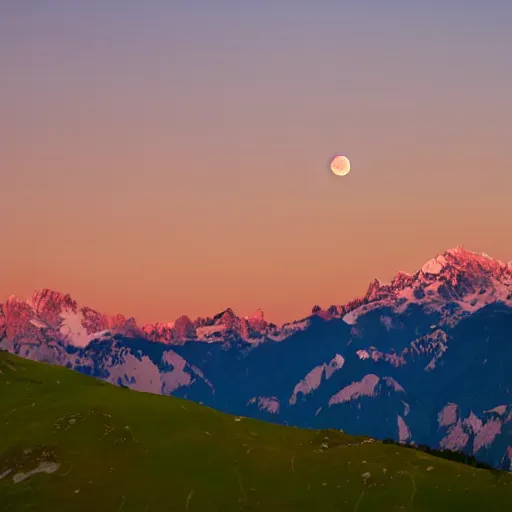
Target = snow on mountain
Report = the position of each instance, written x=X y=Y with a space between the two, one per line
x=423 y=359
x=465 y=278
x=365 y=387
x=314 y=378
x=434 y=266
x=404 y=433
x=448 y=415
x=264 y=403
x=162 y=332
x=225 y=324
x=50 y=313
x=142 y=373
x=73 y=329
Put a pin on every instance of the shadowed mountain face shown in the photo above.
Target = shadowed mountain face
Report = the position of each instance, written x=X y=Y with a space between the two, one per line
x=106 y=449
x=424 y=359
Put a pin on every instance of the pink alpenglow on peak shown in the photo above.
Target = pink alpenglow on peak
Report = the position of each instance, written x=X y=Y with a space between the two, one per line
x=159 y=332
x=209 y=329
x=434 y=266
x=17 y=318
x=184 y=328
x=457 y=275
x=50 y=304
x=79 y=325
x=61 y=317
x=257 y=321
x=418 y=346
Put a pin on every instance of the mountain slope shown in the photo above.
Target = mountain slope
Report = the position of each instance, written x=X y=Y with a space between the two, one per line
x=69 y=442
x=424 y=359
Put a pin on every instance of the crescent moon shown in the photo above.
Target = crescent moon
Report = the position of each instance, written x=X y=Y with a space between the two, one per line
x=340 y=165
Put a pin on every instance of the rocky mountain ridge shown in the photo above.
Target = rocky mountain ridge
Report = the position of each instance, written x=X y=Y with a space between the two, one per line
x=423 y=359
x=457 y=276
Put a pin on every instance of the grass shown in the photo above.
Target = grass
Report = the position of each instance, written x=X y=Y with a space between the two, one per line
x=98 y=448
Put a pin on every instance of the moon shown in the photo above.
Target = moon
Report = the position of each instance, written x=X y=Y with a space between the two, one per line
x=340 y=165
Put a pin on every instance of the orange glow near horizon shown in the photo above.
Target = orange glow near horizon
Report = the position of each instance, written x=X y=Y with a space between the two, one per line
x=153 y=170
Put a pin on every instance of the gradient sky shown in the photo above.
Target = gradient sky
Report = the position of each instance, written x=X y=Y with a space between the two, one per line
x=166 y=158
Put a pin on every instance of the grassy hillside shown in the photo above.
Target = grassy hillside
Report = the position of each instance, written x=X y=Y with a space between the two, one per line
x=99 y=448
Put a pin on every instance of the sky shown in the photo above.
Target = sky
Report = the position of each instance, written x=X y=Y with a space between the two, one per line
x=168 y=158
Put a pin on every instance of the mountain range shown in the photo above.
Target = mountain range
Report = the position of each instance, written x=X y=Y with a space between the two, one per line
x=74 y=443
x=423 y=359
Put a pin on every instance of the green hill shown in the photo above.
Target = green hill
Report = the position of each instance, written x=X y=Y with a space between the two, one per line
x=70 y=442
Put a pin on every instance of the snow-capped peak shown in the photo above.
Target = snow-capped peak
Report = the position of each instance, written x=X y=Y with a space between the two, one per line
x=461 y=256
x=434 y=266
x=456 y=275
x=50 y=304
x=60 y=316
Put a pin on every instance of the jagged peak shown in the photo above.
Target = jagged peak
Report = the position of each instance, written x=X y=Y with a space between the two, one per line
x=225 y=315
x=257 y=315
x=257 y=321
x=377 y=289
x=49 y=292
x=182 y=319
x=402 y=273
x=461 y=272
x=460 y=253
x=375 y=283
x=13 y=304
x=373 y=288
x=402 y=279
x=452 y=264
x=46 y=296
x=461 y=259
